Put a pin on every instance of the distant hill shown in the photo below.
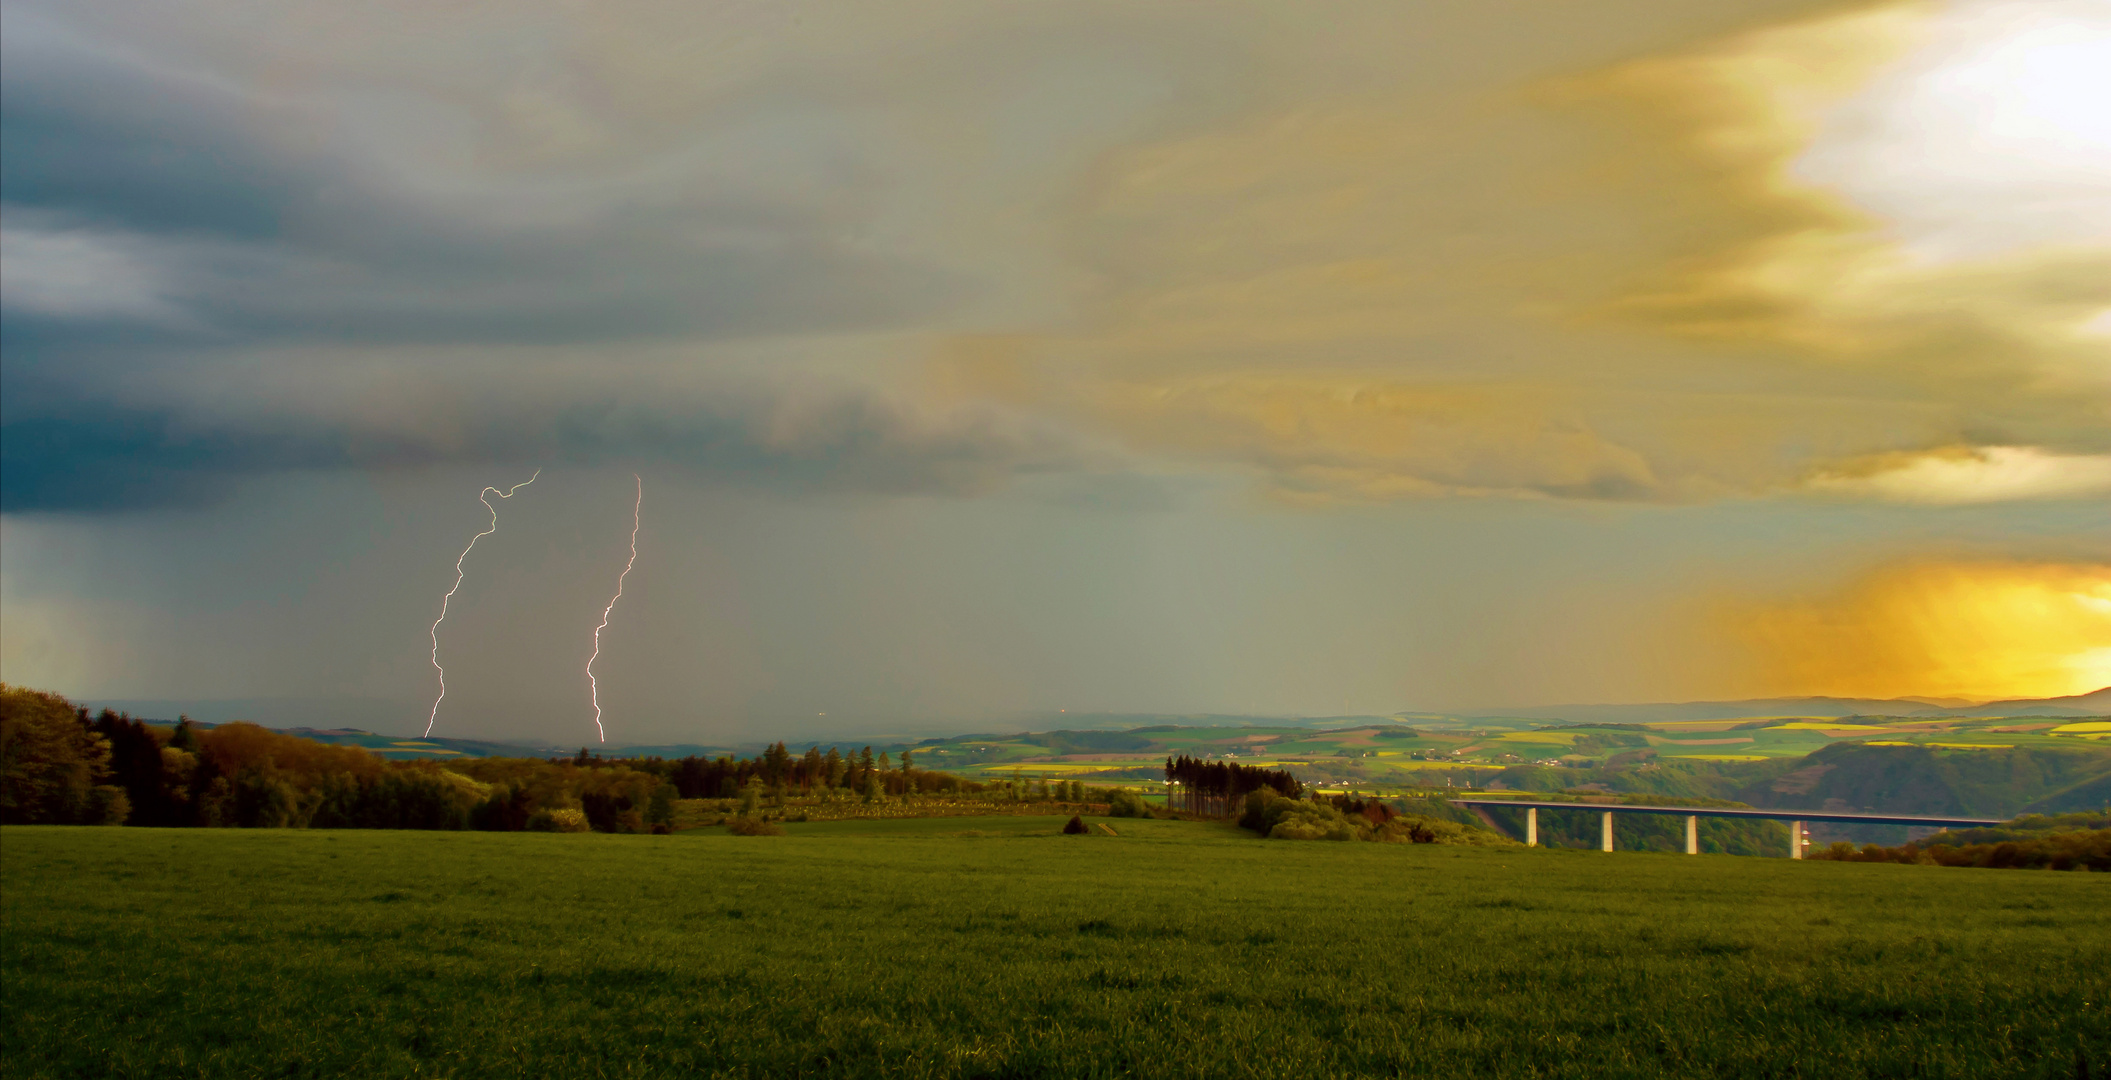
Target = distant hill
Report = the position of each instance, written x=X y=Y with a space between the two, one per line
x=399 y=747
x=1996 y=782
x=1944 y=763
x=1131 y=721
x=277 y=712
x=2096 y=703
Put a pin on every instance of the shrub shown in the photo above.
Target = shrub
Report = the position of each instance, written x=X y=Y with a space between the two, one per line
x=1279 y=818
x=1125 y=803
x=1074 y=826
x=2088 y=849
x=660 y=811
x=1417 y=829
x=557 y=821
x=1293 y=820
x=1255 y=817
x=107 y=805
x=747 y=826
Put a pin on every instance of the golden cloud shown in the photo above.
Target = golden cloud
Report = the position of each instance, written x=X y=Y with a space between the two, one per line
x=1602 y=285
x=1968 y=474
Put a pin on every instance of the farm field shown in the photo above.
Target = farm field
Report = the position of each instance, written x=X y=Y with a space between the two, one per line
x=1389 y=756
x=995 y=947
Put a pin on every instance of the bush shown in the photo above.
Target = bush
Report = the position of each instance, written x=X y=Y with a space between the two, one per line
x=1417 y=829
x=1074 y=826
x=2074 y=850
x=747 y=826
x=557 y=821
x=2027 y=827
x=1289 y=819
x=107 y=805
x=660 y=811
x=1279 y=818
x=1255 y=816
x=1125 y=803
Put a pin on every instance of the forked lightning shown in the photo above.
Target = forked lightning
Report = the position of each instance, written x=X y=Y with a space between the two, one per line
x=593 y=686
x=484 y=497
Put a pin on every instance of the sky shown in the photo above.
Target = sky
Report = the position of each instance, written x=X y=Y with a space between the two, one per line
x=980 y=362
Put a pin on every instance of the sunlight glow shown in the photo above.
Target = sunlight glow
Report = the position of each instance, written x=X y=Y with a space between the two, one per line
x=1968 y=630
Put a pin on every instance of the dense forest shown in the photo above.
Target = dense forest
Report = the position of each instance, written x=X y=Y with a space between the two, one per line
x=58 y=765
x=1216 y=788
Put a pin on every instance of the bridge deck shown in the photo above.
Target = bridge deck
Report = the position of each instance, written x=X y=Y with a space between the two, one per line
x=1721 y=811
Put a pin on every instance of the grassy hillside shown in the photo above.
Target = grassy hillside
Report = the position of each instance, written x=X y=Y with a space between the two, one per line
x=994 y=947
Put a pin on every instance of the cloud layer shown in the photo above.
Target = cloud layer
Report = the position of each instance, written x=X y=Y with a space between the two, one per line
x=1672 y=258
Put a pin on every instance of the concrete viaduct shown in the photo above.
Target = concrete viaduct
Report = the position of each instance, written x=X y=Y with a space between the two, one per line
x=1693 y=814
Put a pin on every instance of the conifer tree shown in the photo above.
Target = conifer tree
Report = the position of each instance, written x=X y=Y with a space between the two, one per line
x=810 y=768
x=832 y=770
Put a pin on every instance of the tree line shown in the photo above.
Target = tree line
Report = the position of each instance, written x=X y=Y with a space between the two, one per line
x=59 y=765
x=2080 y=841
x=813 y=774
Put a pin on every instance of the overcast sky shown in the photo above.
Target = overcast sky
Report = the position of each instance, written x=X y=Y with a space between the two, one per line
x=987 y=360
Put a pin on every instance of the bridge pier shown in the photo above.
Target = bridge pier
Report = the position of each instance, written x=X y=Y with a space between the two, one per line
x=1794 y=819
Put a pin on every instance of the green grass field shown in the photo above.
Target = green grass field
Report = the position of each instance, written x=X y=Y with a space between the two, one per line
x=992 y=947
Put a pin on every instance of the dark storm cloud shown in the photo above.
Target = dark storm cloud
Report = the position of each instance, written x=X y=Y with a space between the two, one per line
x=261 y=240
x=101 y=459
x=154 y=221
x=115 y=142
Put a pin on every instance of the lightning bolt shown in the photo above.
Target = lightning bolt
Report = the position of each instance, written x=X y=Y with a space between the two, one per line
x=593 y=686
x=484 y=497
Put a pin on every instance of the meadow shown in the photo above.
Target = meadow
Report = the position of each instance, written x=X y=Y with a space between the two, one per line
x=994 y=947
